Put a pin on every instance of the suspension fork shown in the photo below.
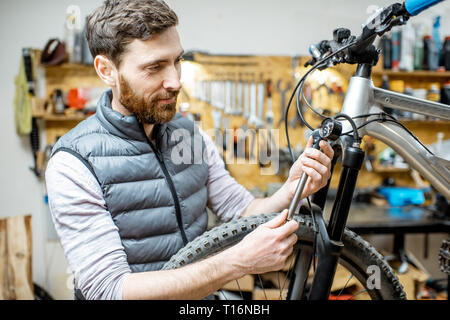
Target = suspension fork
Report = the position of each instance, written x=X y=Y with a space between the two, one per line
x=320 y=197
x=330 y=244
x=304 y=256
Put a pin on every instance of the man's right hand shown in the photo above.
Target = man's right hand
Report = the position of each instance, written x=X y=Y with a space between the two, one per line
x=267 y=247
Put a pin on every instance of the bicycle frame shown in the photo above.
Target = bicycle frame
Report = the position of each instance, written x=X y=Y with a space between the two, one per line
x=363 y=98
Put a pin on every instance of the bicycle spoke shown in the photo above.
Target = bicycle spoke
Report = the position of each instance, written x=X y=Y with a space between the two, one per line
x=345 y=286
x=239 y=288
x=264 y=290
x=362 y=291
x=223 y=293
x=287 y=274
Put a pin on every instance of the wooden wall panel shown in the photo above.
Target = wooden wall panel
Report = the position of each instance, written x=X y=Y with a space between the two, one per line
x=15 y=259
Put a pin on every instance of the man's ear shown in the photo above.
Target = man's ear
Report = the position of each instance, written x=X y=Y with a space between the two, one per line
x=106 y=70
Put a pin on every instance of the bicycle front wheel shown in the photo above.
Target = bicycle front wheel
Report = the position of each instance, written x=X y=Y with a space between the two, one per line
x=357 y=261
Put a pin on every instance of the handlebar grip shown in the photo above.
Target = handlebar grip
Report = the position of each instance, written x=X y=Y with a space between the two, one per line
x=414 y=7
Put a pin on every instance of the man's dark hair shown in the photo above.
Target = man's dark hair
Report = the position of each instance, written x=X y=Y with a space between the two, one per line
x=114 y=25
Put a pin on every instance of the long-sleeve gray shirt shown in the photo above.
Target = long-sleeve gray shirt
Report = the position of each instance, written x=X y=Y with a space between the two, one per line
x=90 y=238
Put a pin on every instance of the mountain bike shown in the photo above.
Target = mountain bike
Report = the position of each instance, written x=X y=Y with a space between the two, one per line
x=327 y=245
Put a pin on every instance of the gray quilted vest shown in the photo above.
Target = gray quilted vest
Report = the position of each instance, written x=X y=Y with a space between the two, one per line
x=157 y=204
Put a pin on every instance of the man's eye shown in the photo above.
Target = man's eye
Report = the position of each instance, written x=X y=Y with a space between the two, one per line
x=153 y=68
x=180 y=59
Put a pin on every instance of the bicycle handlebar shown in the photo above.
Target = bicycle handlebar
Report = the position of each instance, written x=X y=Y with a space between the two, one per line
x=362 y=49
x=414 y=7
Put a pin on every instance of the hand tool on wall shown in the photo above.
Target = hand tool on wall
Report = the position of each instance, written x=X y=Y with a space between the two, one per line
x=226 y=128
x=283 y=93
x=198 y=90
x=269 y=113
x=234 y=85
x=252 y=120
x=217 y=119
x=260 y=117
x=35 y=145
x=227 y=100
x=208 y=91
x=246 y=98
x=239 y=98
x=221 y=94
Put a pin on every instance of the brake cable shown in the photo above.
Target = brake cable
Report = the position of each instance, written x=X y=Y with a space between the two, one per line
x=302 y=80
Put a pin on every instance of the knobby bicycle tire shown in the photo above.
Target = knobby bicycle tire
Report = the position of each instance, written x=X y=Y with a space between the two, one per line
x=357 y=254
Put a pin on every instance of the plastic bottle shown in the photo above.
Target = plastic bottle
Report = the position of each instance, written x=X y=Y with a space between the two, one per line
x=418 y=48
x=437 y=38
x=72 y=33
x=446 y=53
x=431 y=56
x=396 y=35
x=59 y=103
x=386 y=43
x=445 y=93
x=407 y=48
x=434 y=94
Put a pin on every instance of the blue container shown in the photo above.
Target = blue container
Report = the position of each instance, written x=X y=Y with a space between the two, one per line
x=402 y=196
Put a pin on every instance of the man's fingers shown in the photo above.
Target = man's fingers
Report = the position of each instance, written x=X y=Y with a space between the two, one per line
x=277 y=221
x=327 y=149
x=320 y=168
x=292 y=239
x=317 y=155
x=288 y=228
x=312 y=173
x=310 y=142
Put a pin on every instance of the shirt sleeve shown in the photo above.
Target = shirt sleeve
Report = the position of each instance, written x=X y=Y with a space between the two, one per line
x=226 y=197
x=88 y=235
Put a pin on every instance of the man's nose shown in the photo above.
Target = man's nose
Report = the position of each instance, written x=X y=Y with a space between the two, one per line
x=172 y=79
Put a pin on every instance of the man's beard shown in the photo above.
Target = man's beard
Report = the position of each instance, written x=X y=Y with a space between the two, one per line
x=148 y=110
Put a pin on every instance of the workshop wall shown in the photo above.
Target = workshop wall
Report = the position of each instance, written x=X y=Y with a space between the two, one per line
x=226 y=27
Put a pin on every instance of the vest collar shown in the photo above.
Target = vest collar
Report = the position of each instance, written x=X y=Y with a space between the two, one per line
x=127 y=127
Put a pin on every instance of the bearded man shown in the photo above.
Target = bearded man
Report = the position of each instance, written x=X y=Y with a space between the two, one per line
x=122 y=207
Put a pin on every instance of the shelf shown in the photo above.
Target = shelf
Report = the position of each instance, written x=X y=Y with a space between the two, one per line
x=424 y=122
x=70 y=66
x=63 y=117
x=387 y=169
x=417 y=74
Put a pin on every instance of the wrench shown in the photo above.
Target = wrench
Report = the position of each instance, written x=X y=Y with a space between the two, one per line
x=283 y=99
x=253 y=119
x=239 y=105
x=246 y=98
x=259 y=118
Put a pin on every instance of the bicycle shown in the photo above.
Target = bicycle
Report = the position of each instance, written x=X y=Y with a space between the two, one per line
x=325 y=245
